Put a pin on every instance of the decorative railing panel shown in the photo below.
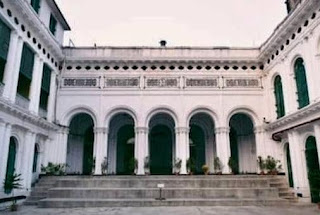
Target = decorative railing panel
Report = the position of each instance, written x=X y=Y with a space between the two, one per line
x=133 y=82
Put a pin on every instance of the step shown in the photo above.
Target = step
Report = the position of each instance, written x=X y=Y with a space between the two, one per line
x=169 y=183
x=77 y=203
x=187 y=193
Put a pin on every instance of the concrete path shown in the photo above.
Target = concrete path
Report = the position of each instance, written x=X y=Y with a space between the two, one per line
x=28 y=210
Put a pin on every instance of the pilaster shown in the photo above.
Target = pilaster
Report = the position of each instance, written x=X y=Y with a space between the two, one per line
x=36 y=85
x=223 y=147
x=182 y=147
x=317 y=136
x=101 y=147
x=52 y=97
x=140 y=150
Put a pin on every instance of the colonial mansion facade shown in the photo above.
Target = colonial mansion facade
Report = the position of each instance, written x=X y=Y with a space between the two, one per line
x=82 y=106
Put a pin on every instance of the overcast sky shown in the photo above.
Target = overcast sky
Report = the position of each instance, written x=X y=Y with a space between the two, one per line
x=241 y=23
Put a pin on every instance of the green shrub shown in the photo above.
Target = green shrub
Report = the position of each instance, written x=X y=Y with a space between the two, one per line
x=54 y=169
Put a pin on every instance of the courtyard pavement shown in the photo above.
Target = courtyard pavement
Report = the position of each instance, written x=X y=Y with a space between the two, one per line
x=289 y=210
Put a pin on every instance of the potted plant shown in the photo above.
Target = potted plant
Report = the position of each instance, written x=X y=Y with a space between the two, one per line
x=11 y=183
x=177 y=166
x=218 y=166
x=104 y=166
x=233 y=165
x=262 y=165
x=54 y=169
x=133 y=166
x=92 y=163
x=272 y=165
x=190 y=166
x=146 y=165
x=205 y=169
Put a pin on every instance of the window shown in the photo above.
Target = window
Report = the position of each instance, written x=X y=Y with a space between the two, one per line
x=301 y=82
x=53 y=24
x=278 y=93
x=45 y=87
x=36 y=5
x=4 y=47
x=26 y=69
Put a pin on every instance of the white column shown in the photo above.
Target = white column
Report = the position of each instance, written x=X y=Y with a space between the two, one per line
x=11 y=72
x=27 y=159
x=52 y=97
x=317 y=135
x=36 y=85
x=298 y=165
x=140 y=149
x=182 y=147
x=5 y=133
x=62 y=145
x=101 y=135
x=223 y=147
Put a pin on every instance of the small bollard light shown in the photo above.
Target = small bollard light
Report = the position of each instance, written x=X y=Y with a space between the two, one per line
x=160 y=186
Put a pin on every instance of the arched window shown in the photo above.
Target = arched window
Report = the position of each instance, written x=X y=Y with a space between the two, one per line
x=278 y=93
x=301 y=82
x=35 y=158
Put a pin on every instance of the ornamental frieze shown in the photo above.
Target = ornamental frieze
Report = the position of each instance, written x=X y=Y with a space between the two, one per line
x=162 y=82
x=202 y=82
x=242 y=82
x=121 y=82
x=80 y=82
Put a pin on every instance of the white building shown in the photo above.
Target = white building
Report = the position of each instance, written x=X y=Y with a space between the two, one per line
x=71 y=104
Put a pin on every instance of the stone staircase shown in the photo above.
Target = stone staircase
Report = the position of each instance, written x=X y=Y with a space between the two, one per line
x=140 y=191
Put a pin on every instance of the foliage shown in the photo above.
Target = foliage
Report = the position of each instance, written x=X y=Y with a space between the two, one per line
x=191 y=167
x=272 y=165
x=92 y=163
x=133 y=165
x=218 y=166
x=54 y=169
x=177 y=163
x=233 y=165
x=9 y=184
x=261 y=163
x=205 y=169
x=104 y=166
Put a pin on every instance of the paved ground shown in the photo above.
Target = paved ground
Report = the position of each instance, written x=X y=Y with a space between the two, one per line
x=27 y=210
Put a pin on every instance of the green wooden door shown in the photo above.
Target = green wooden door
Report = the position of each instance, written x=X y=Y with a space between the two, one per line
x=125 y=149
x=313 y=168
x=289 y=166
x=197 y=149
x=160 y=150
x=11 y=160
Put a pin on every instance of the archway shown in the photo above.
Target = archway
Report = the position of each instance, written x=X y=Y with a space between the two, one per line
x=242 y=143
x=313 y=168
x=121 y=144
x=201 y=141
x=11 y=162
x=80 y=145
x=289 y=166
x=161 y=144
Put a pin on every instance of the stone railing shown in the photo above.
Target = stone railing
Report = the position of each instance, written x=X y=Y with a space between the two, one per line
x=1 y=88
x=22 y=101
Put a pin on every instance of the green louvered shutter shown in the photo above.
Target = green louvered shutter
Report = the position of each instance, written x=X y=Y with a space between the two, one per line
x=53 y=24
x=301 y=82
x=4 y=40
x=11 y=162
x=278 y=91
x=27 y=60
x=36 y=5
x=45 y=87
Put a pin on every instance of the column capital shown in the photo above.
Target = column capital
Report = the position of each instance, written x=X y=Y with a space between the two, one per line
x=141 y=130
x=64 y=130
x=182 y=130
x=259 y=129
x=103 y=130
x=221 y=130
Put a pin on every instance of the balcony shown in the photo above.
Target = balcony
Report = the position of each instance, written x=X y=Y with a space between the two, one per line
x=22 y=101
x=43 y=113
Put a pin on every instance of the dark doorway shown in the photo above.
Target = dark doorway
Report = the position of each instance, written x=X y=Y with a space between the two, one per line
x=289 y=166
x=197 y=148
x=11 y=161
x=125 y=149
x=161 y=150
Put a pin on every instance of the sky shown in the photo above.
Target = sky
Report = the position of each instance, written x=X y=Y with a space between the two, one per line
x=236 y=23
